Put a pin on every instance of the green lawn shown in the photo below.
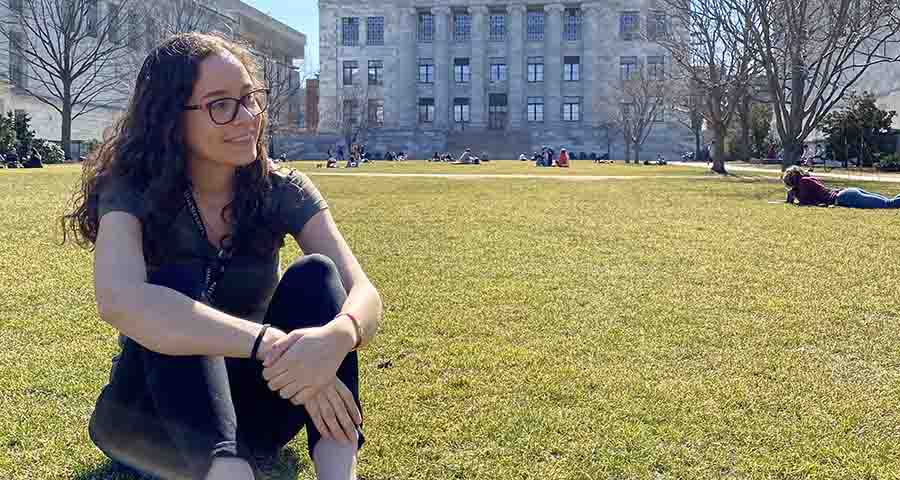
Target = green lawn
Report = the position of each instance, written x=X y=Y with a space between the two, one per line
x=505 y=167
x=537 y=329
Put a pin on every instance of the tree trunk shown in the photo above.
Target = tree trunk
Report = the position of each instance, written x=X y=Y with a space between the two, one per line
x=744 y=133
x=697 y=145
x=792 y=151
x=627 y=152
x=718 y=165
x=637 y=153
x=66 y=127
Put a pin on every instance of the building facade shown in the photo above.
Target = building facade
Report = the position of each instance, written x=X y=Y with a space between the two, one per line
x=503 y=77
x=276 y=45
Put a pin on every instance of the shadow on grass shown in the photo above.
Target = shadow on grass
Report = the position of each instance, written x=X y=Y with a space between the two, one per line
x=289 y=467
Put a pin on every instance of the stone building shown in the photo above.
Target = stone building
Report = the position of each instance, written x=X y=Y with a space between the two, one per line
x=279 y=45
x=504 y=77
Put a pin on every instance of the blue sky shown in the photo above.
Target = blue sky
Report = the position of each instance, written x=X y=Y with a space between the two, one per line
x=301 y=15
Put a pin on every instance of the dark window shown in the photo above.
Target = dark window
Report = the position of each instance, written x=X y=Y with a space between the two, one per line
x=426 y=110
x=571 y=109
x=426 y=28
x=114 y=23
x=535 y=26
x=16 y=59
x=659 y=116
x=461 y=113
x=656 y=67
x=629 y=25
x=462 y=27
x=498 y=70
x=351 y=69
x=375 y=31
x=497 y=109
x=134 y=31
x=351 y=112
x=376 y=72
x=376 y=113
x=572 y=69
x=461 y=71
x=497 y=23
x=657 y=26
x=535 y=69
x=350 y=31
x=426 y=70
x=627 y=68
x=152 y=34
x=535 y=109
x=572 y=26
x=92 y=17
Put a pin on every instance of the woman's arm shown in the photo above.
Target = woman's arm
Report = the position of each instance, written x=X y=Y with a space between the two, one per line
x=791 y=195
x=160 y=318
x=321 y=235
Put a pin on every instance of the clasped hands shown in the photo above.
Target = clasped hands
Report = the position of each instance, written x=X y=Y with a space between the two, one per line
x=301 y=367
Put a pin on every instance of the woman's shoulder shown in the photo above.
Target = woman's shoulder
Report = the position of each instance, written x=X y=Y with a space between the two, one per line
x=119 y=193
x=296 y=198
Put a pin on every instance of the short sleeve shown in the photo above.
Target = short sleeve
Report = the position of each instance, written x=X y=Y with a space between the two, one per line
x=116 y=195
x=298 y=200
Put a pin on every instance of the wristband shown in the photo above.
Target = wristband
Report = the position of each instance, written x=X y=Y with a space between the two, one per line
x=356 y=328
x=259 y=337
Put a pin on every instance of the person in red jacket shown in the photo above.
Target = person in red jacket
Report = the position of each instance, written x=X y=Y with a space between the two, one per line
x=563 y=158
x=809 y=190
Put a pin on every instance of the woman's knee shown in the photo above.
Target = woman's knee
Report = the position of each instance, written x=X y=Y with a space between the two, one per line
x=311 y=285
x=313 y=269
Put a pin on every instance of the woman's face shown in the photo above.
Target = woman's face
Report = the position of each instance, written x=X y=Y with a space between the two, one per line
x=233 y=144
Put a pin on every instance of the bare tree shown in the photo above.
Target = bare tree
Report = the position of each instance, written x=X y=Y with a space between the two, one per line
x=642 y=101
x=813 y=52
x=687 y=108
x=283 y=82
x=354 y=116
x=708 y=54
x=181 y=16
x=69 y=55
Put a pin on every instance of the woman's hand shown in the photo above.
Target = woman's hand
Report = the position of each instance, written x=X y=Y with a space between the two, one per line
x=305 y=360
x=334 y=412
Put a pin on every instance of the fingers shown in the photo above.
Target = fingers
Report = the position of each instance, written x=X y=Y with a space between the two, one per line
x=314 y=410
x=347 y=428
x=349 y=402
x=280 y=347
x=278 y=381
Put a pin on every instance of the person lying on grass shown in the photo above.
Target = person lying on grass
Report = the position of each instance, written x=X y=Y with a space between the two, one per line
x=809 y=190
x=186 y=217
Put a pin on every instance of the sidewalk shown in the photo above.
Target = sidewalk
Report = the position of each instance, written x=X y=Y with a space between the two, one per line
x=775 y=170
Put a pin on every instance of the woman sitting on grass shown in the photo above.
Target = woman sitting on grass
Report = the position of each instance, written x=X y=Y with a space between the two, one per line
x=186 y=218
x=809 y=190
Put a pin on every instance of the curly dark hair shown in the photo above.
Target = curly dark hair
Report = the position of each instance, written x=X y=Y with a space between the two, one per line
x=146 y=150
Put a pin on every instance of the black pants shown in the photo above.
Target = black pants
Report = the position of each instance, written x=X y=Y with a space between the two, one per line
x=167 y=416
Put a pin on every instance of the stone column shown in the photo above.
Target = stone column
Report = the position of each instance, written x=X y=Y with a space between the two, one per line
x=329 y=98
x=516 y=62
x=553 y=64
x=477 y=63
x=408 y=101
x=443 y=67
x=590 y=81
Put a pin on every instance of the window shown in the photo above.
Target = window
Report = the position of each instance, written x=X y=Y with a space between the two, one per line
x=350 y=31
x=657 y=26
x=572 y=25
x=629 y=25
x=497 y=23
x=535 y=69
x=497 y=111
x=535 y=109
x=375 y=31
x=426 y=28
x=572 y=109
x=134 y=31
x=351 y=69
x=627 y=68
x=461 y=110
x=376 y=72
x=351 y=112
x=426 y=110
x=535 y=26
x=114 y=23
x=572 y=69
x=656 y=67
x=659 y=115
x=462 y=27
x=16 y=6
x=92 y=17
x=16 y=59
x=461 y=71
x=152 y=33
x=498 y=70
x=426 y=70
x=376 y=113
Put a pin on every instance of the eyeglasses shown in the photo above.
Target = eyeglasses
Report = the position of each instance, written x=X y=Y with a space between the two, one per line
x=223 y=111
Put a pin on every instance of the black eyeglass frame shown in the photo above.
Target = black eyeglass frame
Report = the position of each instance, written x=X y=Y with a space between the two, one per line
x=240 y=102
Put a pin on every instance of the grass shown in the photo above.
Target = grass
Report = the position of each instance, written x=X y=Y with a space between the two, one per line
x=537 y=329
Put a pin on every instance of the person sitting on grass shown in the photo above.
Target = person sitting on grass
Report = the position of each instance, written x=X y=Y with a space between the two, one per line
x=563 y=160
x=809 y=190
x=467 y=158
x=223 y=359
x=435 y=157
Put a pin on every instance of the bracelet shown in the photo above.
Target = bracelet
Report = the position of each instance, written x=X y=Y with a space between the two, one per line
x=356 y=328
x=259 y=337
